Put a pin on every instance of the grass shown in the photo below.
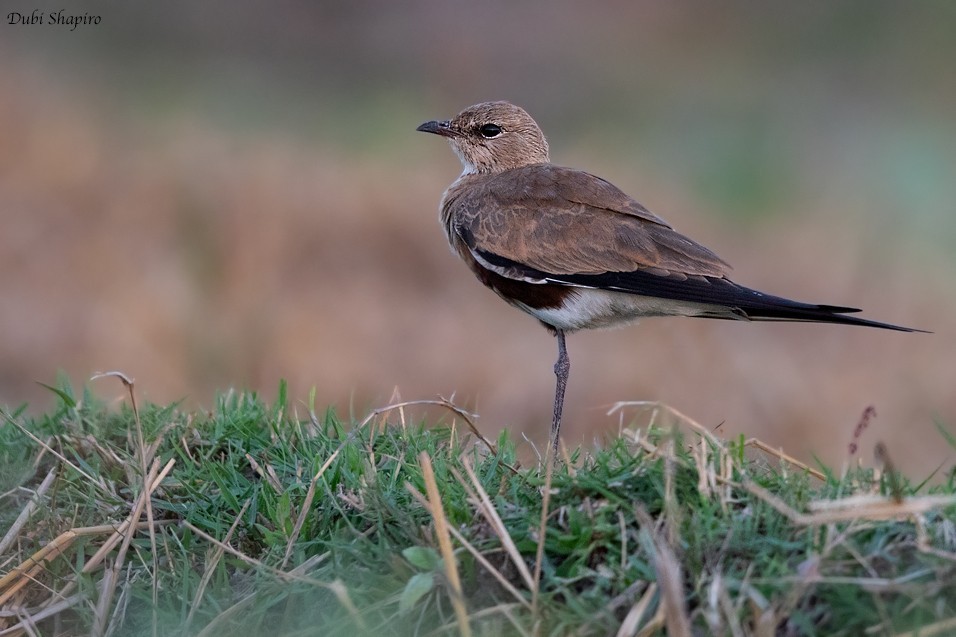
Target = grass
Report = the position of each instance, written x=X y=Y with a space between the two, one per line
x=252 y=519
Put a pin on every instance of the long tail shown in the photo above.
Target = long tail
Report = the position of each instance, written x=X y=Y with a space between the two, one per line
x=752 y=305
x=730 y=300
x=796 y=311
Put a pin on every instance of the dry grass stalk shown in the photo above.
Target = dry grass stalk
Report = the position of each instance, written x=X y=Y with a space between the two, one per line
x=336 y=587
x=669 y=577
x=152 y=480
x=488 y=511
x=543 y=527
x=210 y=567
x=395 y=399
x=14 y=531
x=19 y=577
x=307 y=503
x=672 y=508
x=481 y=559
x=657 y=408
x=146 y=455
x=500 y=609
x=655 y=624
x=728 y=611
x=310 y=494
x=861 y=507
x=706 y=478
x=26 y=572
x=48 y=449
x=869 y=507
x=924 y=543
x=882 y=454
x=759 y=444
x=441 y=402
x=767 y=619
x=28 y=622
x=444 y=544
x=226 y=615
x=632 y=621
x=268 y=474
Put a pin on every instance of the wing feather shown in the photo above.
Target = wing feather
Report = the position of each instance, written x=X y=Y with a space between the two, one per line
x=561 y=221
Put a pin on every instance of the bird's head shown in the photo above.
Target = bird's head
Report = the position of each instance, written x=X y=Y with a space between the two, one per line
x=492 y=137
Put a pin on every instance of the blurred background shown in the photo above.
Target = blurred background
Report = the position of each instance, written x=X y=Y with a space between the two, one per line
x=224 y=194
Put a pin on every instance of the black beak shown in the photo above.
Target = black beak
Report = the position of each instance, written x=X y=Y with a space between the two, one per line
x=442 y=128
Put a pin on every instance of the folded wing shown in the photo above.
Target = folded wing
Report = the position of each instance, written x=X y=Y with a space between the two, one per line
x=563 y=226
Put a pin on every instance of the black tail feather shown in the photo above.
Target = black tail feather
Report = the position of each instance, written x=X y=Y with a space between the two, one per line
x=744 y=302
x=821 y=314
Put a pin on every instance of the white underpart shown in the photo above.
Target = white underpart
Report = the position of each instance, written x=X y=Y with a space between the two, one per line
x=468 y=167
x=593 y=308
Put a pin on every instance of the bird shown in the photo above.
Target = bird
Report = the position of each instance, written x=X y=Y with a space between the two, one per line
x=576 y=252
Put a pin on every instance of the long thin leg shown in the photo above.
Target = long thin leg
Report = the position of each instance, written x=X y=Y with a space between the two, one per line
x=561 y=368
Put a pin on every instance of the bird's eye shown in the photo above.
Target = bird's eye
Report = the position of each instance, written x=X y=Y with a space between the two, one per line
x=489 y=131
